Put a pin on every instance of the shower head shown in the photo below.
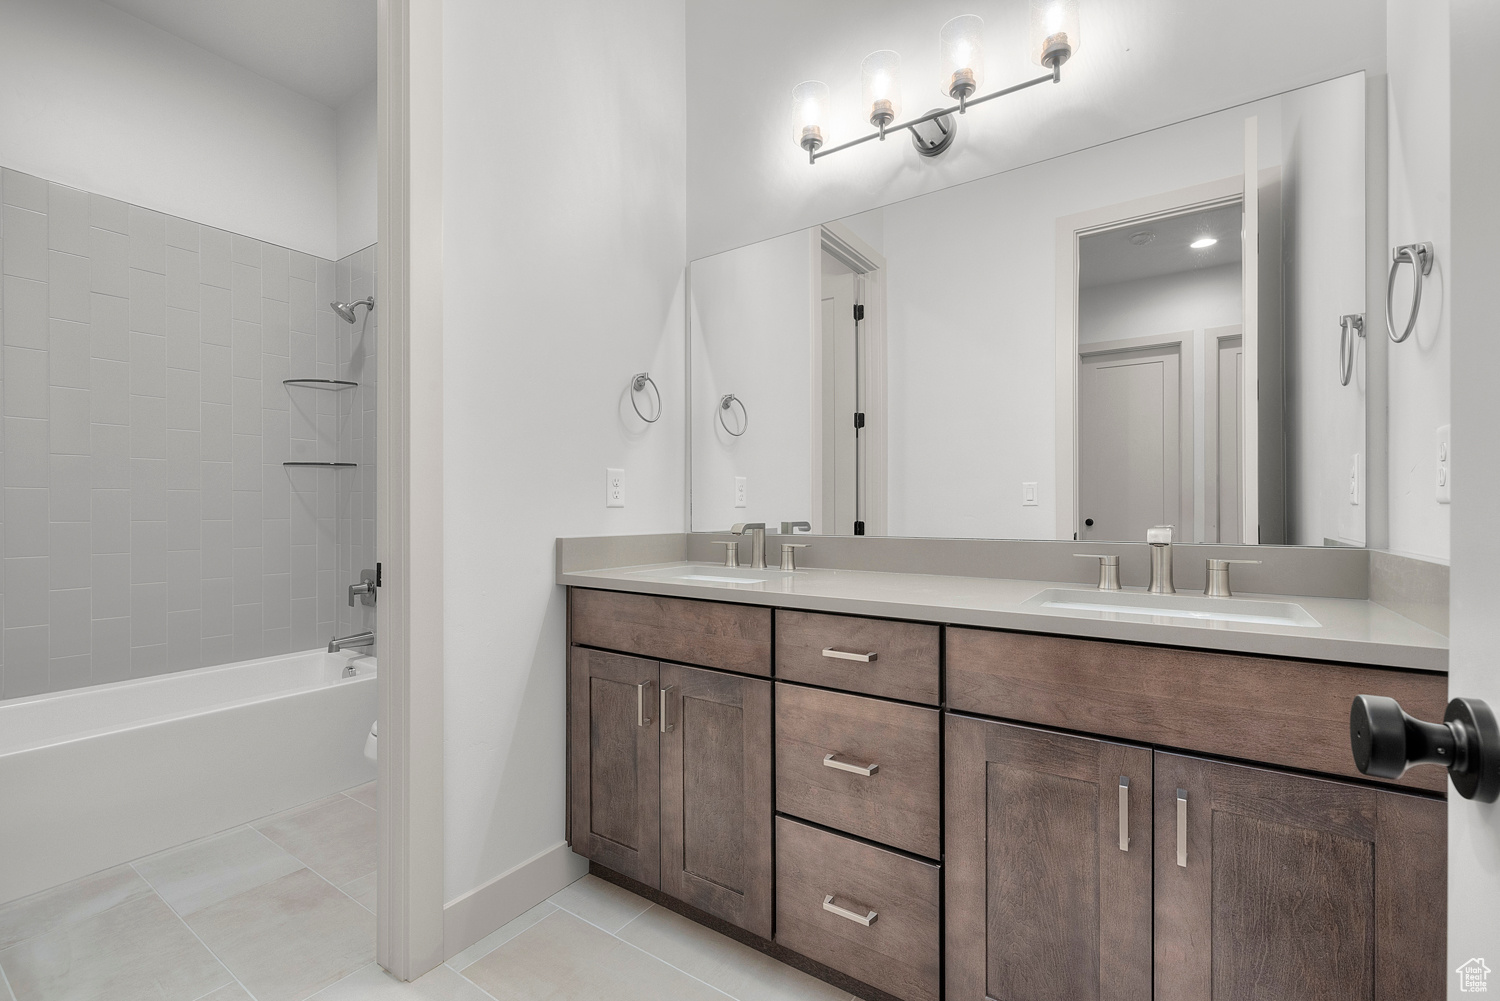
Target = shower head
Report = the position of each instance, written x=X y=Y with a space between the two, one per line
x=346 y=309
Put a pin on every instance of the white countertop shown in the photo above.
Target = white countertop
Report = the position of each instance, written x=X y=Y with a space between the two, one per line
x=1349 y=630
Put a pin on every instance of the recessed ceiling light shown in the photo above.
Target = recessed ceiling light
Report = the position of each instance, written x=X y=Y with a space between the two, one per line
x=1142 y=238
x=1207 y=241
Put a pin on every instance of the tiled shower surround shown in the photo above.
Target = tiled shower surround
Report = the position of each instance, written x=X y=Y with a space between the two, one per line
x=149 y=524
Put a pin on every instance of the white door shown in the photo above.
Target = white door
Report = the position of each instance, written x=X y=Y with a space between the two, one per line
x=1129 y=442
x=1230 y=377
x=1249 y=384
x=840 y=375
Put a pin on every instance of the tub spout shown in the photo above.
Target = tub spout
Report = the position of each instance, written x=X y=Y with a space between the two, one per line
x=338 y=643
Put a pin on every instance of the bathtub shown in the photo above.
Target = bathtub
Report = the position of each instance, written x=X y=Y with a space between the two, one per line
x=94 y=777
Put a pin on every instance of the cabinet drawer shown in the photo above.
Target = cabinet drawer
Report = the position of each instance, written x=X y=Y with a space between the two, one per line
x=898 y=802
x=897 y=660
x=1284 y=712
x=897 y=950
x=705 y=633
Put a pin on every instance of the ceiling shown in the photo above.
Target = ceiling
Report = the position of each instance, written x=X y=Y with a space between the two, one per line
x=321 y=49
x=1110 y=257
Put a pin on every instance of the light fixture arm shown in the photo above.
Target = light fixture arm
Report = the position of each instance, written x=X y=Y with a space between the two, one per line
x=1055 y=76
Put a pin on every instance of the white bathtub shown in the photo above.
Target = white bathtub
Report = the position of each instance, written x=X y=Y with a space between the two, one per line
x=94 y=777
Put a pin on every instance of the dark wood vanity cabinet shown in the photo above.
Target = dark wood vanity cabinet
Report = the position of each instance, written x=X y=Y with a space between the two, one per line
x=670 y=780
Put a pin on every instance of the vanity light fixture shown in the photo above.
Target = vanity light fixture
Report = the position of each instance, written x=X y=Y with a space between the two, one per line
x=1203 y=243
x=1054 y=40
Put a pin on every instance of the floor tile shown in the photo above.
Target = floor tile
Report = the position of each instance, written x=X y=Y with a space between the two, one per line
x=374 y=984
x=216 y=868
x=501 y=935
x=70 y=902
x=362 y=890
x=135 y=951
x=289 y=938
x=600 y=902
x=232 y=992
x=733 y=968
x=365 y=794
x=334 y=837
x=562 y=958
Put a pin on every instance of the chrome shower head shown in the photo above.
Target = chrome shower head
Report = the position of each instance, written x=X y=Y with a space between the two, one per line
x=346 y=309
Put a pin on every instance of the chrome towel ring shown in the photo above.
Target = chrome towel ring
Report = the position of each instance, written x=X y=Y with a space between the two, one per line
x=1419 y=256
x=1348 y=345
x=638 y=384
x=725 y=402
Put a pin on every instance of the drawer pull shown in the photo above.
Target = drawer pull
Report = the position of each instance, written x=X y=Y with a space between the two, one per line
x=860 y=919
x=835 y=653
x=830 y=761
x=1182 y=827
x=666 y=693
x=641 y=719
x=1124 y=813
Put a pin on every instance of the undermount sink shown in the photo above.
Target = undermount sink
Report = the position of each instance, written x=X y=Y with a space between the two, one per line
x=709 y=574
x=1187 y=607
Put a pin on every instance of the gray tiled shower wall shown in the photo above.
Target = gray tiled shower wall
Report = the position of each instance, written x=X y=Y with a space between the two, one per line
x=149 y=525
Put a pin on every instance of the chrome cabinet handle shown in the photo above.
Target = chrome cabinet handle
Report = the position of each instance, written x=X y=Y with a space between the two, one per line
x=835 y=653
x=665 y=693
x=831 y=761
x=1182 y=827
x=860 y=919
x=641 y=719
x=1124 y=813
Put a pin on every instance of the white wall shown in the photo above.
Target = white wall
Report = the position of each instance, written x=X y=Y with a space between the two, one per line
x=1142 y=64
x=1419 y=138
x=99 y=100
x=356 y=173
x=564 y=253
x=1474 y=829
x=752 y=313
x=1323 y=250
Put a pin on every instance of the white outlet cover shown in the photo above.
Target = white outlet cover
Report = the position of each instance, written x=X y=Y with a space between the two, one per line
x=614 y=488
x=1354 y=481
x=1444 y=454
x=1028 y=495
x=739 y=491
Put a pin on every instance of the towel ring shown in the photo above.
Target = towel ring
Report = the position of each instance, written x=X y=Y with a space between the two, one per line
x=638 y=384
x=725 y=402
x=1419 y=256
x=1348 y=345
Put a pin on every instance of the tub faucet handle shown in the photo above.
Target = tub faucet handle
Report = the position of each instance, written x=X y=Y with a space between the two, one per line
x=365 y=589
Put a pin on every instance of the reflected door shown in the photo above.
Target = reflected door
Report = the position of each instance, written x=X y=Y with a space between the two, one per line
x=840 y=402
x=1129 y=442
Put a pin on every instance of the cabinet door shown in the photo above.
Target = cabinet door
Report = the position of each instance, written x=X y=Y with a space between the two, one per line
x=1272 y=885
x=615 y=782
x=1048 y=866
x=716 y=794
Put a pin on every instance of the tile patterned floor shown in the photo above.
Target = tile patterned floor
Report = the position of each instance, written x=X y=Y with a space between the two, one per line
x=282 y=910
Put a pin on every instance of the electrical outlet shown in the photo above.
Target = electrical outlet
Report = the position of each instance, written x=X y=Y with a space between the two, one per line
x=1445 y=464
x=739 y=491
x=1028 y=495
x=614 y=488
x=1354 y=481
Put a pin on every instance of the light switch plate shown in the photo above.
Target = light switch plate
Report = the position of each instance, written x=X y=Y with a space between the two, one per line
x=614 y=488
x=1445 y=464
x=1028 y=495
x=739 y=491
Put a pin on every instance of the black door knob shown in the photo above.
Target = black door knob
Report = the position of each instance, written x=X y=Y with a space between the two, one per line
x=1387 y=741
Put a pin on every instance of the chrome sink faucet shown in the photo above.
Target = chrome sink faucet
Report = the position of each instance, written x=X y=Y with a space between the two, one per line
x=757 y=530
x=1160 y=541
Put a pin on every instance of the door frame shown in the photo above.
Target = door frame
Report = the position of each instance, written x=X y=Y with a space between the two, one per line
x=869 y=266
x=1069 y=230
x=409 y=488
x=1213 y=347
x=1186 y=424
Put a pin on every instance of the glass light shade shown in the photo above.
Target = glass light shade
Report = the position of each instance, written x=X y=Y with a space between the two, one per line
x=880 y=85
x=961 y=43
x=809 y=114
x=1054 y=31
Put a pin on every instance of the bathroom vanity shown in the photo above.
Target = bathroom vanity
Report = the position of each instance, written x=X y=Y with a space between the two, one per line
x=971 y=799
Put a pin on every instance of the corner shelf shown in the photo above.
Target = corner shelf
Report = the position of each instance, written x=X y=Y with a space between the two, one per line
x=334 y=385
x=324 y=465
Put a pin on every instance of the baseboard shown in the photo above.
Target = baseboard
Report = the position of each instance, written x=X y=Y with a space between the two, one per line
x=469 y=918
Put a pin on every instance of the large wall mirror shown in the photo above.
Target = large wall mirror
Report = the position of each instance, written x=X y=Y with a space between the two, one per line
x=1143 y=332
